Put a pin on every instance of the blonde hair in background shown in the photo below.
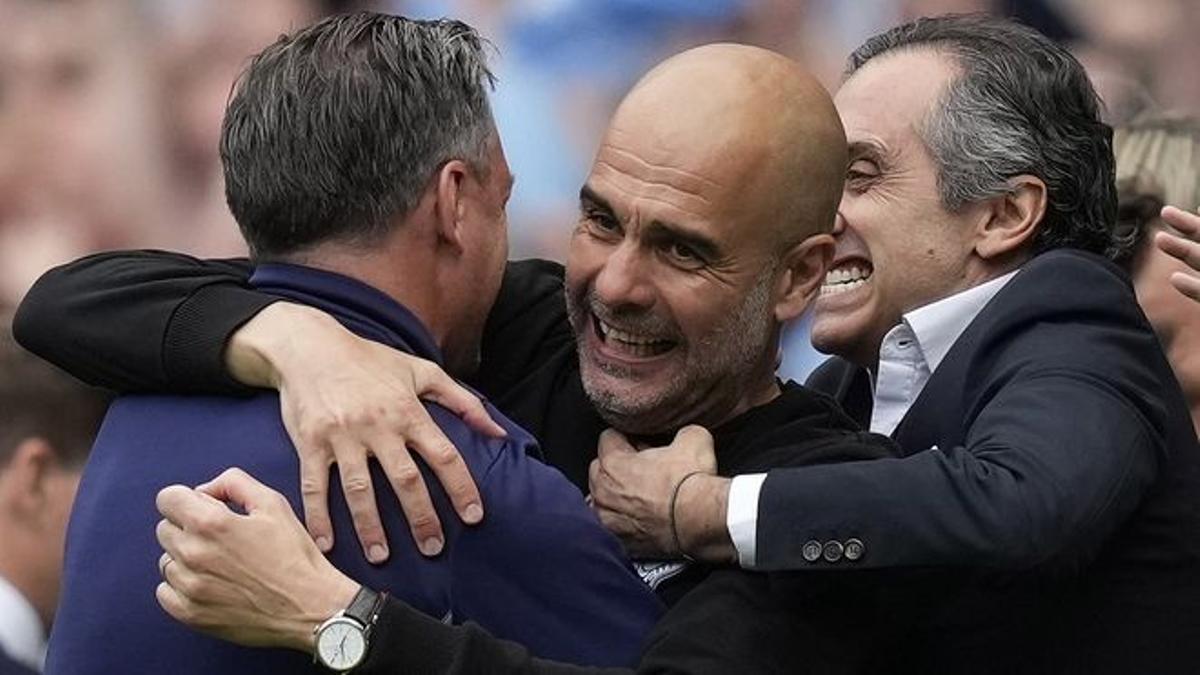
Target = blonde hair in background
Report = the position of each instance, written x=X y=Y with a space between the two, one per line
x=1159 y=154
x=1158 y=163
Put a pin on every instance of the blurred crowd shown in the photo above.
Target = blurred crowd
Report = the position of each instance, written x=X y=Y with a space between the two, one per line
x=110 y=110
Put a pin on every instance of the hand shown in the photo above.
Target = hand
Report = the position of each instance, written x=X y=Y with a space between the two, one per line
x=345 y=399
x=254 y=579
x=1186 y=248
x=631 y=492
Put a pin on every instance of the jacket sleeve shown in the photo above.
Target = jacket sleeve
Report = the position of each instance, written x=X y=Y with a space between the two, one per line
x=1035 y=482
x=140 y=320
x=407 y=641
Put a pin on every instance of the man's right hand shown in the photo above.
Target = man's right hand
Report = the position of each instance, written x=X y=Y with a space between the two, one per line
x=345 y=399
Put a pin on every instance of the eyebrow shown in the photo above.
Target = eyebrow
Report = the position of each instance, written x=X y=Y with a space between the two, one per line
x=870 y=150
x=658 y=231
x=588 y=196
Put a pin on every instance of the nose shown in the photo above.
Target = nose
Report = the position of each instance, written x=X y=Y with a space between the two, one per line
x=839 y=222
x=624 y=278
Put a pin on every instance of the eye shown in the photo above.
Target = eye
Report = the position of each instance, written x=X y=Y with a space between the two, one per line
x=860 y=175
x=682 y=254
x=601 y=223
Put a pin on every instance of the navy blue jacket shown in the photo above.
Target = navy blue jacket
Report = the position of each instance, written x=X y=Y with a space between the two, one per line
x=1063 y=451
x=540 y=570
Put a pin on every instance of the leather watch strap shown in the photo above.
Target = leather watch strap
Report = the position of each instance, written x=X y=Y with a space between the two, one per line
x=364 y=606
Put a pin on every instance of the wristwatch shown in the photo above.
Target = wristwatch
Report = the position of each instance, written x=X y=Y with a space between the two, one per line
x=343 y=638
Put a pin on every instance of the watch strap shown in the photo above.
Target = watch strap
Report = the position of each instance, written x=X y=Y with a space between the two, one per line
x=364 y=607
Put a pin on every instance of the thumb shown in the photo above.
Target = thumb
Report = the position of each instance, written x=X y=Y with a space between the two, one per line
x=613 y=442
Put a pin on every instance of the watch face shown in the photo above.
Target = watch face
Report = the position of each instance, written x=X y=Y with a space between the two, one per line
x=341 y=644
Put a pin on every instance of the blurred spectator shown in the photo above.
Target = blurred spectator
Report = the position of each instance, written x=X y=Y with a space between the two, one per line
x=1158 y=163
x=47 y=423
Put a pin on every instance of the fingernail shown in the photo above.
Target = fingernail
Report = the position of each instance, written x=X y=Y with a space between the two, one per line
x=473 y=514
x=431 y=546
x=377 y=553
x=323 y=544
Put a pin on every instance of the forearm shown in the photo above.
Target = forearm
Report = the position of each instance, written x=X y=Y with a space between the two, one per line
x=139 y=320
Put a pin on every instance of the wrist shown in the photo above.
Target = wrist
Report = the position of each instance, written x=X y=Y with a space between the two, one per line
x=701 y=506
x=258 y=353
x=326 y=599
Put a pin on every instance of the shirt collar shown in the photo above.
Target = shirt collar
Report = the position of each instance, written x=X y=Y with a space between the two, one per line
x=938 y=325
x=22 y=635
x=363 y=309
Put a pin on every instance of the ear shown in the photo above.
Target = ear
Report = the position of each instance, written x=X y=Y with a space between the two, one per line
x=25 y=478
x=805 y=265
x=1012 y=219
x=451 y=209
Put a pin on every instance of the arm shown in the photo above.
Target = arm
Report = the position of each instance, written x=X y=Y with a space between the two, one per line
x=221 y=576
x=1030 y=485
x=1185 y=248
x=159 y=321
x=140 y=320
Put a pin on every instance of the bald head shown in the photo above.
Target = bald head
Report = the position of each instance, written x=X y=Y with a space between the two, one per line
x=746 y=129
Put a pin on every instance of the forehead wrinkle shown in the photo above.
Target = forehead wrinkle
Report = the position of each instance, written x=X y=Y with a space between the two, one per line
x=689 y=202
x=694 y=182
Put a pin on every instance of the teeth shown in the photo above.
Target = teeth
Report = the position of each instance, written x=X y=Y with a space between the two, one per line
x=836 y=288
x=622 y=336
x=845 y=278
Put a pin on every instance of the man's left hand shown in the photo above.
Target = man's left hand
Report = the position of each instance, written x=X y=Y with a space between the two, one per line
x=631 y=491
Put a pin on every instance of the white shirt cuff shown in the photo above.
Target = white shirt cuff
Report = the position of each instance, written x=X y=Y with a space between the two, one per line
x=741 y=518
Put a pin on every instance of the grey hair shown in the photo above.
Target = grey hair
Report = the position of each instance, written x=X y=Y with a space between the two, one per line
x=335 y=131
x=1021 y=105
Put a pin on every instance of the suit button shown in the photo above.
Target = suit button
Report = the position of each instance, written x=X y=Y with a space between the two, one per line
x=811 y=550
x=855 y=549
x=833 y=551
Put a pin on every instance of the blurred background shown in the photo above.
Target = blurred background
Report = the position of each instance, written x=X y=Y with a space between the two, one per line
x=110 y=109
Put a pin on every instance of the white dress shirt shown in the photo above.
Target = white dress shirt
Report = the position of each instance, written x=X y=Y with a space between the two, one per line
x=22 y=635
x=909 y=354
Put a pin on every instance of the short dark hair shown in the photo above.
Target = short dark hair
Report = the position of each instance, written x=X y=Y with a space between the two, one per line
x=335 y=130
x=1022 y=105
x=38 y=400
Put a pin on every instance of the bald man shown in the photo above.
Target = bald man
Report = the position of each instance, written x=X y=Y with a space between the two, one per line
x=704 y=226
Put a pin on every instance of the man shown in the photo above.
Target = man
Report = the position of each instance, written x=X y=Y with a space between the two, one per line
x=47 y=421
x=393 y=223
x=663 y=222
x=997 y=501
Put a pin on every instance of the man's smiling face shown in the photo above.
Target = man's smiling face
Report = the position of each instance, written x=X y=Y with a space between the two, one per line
x=671 y=308
x=898 y=248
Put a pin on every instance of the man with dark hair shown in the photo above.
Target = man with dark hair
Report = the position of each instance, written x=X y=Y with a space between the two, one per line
x=47 y=423
x=1049 y=470
x=363 y=167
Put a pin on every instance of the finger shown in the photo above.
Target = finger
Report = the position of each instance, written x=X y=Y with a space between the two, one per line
x=613 y=442
x=1187 y=223
x=1180 y=248
x=598 y=483
x=360 y=498
x=314 y=494
x=445 y=391
x=187 y=508
x=169 y=537
x=447 y=464
x=409 y=485
x=235 y=486
x=172 y=602
x=693 y=436
x=1187 y=284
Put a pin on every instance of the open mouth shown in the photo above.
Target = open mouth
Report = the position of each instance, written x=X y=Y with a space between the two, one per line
x=847 y=276
x=630 y=343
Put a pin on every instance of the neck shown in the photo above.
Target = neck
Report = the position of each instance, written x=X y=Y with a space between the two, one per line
x=399 y=267
x=16 y=569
